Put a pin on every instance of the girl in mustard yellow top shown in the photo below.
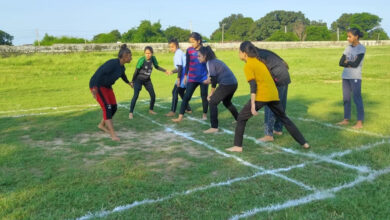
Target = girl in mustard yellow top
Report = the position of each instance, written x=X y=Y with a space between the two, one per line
x=263 y=93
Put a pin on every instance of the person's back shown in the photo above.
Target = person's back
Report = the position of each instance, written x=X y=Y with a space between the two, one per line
x=276 y=65
x=222 y=72
x=266 y=89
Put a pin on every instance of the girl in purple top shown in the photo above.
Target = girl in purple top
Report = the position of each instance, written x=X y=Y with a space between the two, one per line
x=195 y=74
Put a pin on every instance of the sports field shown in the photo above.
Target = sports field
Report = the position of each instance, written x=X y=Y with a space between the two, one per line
x=56 y=164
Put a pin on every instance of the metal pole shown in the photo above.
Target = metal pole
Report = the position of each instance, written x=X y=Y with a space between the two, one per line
x=338 y=34
x=223 y=29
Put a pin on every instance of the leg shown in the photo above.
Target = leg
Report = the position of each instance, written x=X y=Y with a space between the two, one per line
x=104 y=95
x=269 y=121
x=277 y=109
x=347 y=102
x=243 y=117
x=175 y=94
x=137 y=89
x=282 y=90
x=149 y=87
x=227 y=101
x=187 y=97
x=204 y=90
x=357 y=98
x=181 y=93
x=110 y=126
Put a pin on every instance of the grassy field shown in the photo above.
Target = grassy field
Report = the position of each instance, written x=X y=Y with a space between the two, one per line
x=55 y=164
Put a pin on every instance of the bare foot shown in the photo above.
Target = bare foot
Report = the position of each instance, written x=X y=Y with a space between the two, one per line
x=279 y=133
x=266 y=139
x=115 y=138
x=188 y=111
x=152 y=112
x=170 y=114
x=204 y=117
x=306 y=146
x=234 y=149
x=358 y=125
x=211 y=130
x=131 y=116
x=103 y=128
x=343 y=122
x=177 y=120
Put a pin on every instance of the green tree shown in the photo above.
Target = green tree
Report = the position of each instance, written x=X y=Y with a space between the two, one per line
x=176 y=32
x=378 y=34
x=5 y=38
x=129 y=35
x=226 y=23
x=317 y=33
x=112 y=37
x=50 y=40
x=239 y=30
x=276 y=21
x=148 y=32
x=343 y=22
x=281 y=36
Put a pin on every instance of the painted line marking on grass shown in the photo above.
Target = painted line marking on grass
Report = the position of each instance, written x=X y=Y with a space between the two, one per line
x=363 y=169
x=319 y=195
x=104 y=213
x=326 y=124
x=42 y=113
x=48 y=108
x=240 y=160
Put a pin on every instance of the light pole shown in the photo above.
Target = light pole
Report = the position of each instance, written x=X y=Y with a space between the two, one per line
x=223 y=28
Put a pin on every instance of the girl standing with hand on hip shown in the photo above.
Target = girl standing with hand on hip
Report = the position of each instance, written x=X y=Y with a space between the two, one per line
x=352 y=61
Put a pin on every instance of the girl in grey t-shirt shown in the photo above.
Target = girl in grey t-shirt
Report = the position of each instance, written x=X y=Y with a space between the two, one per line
x=352 y=61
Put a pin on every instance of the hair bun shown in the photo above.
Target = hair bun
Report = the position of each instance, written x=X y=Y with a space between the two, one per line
x=123 y=46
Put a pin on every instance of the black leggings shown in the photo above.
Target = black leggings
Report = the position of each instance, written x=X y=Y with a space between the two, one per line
x=176 y=92
x=277 y=109
x=191 y=86
x=137 y=88
x=225 y=94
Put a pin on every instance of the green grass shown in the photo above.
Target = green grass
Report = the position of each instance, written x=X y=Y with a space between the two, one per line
x=57 y=165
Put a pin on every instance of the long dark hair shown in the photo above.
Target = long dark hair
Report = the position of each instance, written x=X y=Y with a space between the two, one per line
x=207 y=52
x=355 y=32
x=149 y=48
x=197 y=37
x=123 y=50
x=248 y=48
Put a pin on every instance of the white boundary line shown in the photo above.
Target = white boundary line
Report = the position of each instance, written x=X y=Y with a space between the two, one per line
x=48 y=108
x=240 y=160
x=362 y=169
x=307 y=199
x=326 y=124
x=183 y=193
x=319 y=195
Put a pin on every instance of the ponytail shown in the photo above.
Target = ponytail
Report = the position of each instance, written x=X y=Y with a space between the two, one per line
x=197 y=37
x=208 y=53
x=123 y=50
x=355 y=32
x=248 y=48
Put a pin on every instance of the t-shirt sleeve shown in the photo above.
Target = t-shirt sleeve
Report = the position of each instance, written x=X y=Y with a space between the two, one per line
x=178 y=60
x=362 y=50
x=249 y=73
x=211 y=69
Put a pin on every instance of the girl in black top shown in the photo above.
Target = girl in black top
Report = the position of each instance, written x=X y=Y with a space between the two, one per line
x=101 y=87
x=141 y=78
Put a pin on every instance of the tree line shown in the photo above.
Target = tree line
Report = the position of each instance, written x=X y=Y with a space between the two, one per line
x=275 y=26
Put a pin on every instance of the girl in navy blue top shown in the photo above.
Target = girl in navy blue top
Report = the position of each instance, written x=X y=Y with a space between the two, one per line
x=219 y=74
x=101 y=87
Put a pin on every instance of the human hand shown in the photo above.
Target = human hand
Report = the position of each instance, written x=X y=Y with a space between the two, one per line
x=253 y=110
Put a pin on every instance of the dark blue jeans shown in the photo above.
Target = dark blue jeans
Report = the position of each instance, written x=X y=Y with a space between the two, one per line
x=353 y=86
x=191 y=86
x=271 y=122
x=176 y=92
